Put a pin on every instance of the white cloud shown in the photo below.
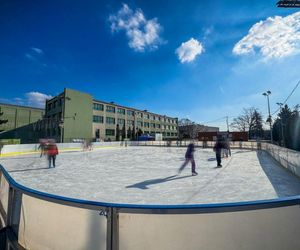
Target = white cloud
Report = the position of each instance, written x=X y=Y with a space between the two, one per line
x=30 y=57
x=274 y=37
x=188 y=51
x=37 y=51
x=36 y=55
x=36 y=99
x=142 y=33
x=33 y=98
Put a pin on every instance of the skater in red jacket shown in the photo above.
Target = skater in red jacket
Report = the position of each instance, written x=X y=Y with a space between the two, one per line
x=52 y=151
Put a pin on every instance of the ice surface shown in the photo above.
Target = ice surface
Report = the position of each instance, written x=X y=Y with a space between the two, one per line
x=148 y=175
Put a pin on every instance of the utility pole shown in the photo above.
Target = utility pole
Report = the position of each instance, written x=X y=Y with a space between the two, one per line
x=269 y=118
x=227 y=124
x=282 y=135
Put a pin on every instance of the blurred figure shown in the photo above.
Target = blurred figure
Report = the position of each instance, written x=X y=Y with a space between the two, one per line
x=218 y=150
x=227 y=148
x=42 y=146
x=52 y=151
x=189 y=157
x=87 y=145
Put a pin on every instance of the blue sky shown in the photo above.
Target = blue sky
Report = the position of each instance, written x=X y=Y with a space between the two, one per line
x=201 y=60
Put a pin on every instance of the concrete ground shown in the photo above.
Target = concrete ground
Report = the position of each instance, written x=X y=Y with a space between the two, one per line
x=148 y=175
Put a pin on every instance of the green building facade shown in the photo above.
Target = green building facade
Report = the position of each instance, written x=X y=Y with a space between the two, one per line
x=19 y=116
x=73 y=115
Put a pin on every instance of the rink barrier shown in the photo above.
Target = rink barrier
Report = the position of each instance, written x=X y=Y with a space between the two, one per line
x=288 y=158
x=41 y=220
x=27 y=149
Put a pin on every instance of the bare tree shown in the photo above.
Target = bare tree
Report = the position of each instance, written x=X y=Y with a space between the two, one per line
x=247 y=121
x=185 y=122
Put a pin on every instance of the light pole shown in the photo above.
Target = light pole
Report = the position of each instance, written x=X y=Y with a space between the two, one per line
x=269 y=118
x=282 y=135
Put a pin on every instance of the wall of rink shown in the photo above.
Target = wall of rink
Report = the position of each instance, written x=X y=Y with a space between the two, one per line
x=290 y=159
x=21 y=149
x=40 y=220
x=44 y=221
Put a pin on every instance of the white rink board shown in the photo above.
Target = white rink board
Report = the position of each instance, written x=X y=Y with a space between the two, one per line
x=148 y=175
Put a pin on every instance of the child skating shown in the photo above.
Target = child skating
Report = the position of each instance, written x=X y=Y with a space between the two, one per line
x=189 y=157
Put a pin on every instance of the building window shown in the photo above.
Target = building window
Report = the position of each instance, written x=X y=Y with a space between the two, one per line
x=140 y=115
x=110 y=132
x=157 y=125
x=110 y=109
x=110 y=120
x=146 y=124
x=130 y=122
x=97 y=106
x=97 y=118
x=147 y=116
x=152 y=125
x=139 y=124
x=130 y=113
x=121 y=111
x=49 y=106
x=121 y=121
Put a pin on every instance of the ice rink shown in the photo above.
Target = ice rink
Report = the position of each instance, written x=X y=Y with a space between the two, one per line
x=148 y=175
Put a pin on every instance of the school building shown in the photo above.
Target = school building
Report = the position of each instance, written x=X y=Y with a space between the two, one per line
x=74 y=115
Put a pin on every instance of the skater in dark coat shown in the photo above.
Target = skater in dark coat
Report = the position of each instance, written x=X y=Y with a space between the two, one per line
x=189 y=157
x=218 y=149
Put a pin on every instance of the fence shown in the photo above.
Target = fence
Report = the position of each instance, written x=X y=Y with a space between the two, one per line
x=40 y=220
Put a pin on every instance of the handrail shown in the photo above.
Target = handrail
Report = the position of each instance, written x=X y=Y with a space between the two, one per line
x=214 y=207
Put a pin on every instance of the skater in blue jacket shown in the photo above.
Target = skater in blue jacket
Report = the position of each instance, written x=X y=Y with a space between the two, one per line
x=189 y=157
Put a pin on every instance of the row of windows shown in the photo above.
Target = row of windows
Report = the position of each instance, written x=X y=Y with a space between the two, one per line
x=163 y=133
x=97 y=118
x=54 y=104
x=98 y=106
x=111 y=120
x=112 y=132
x=111 y=109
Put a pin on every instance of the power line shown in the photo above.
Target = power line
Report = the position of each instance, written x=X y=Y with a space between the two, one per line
x=216 y=120
x=292 y=92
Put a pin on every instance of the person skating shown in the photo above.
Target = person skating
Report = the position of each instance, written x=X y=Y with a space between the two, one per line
x=52 y=151
x=218 y=150
x=189 y=157
x=42 y=147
